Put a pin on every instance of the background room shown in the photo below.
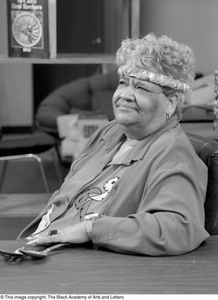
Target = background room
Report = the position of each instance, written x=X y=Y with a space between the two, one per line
x=138 y=213
x=87 y=27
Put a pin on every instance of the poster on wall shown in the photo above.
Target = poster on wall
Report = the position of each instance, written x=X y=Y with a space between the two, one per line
x=30 y=32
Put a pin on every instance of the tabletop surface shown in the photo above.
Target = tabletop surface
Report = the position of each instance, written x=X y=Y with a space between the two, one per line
x=79 y=270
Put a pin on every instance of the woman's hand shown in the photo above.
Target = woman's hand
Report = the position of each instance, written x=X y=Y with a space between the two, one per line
x=75 y=234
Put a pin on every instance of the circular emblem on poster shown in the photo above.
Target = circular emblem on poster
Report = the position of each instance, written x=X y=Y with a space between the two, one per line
x=27 y=29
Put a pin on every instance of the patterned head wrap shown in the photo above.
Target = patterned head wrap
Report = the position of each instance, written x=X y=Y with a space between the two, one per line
x=160 y=60
x=160 y=79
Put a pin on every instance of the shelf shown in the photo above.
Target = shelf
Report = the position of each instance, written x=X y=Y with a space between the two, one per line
x=65 y=58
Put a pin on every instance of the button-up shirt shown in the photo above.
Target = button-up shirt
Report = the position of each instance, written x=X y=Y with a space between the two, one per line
x=157 y=205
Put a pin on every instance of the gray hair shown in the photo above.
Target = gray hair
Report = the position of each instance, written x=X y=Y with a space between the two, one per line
x=160 y=55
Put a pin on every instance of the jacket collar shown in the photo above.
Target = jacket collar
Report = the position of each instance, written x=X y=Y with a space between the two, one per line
x=117 y=136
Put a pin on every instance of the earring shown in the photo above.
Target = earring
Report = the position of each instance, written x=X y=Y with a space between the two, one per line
x=167 y=115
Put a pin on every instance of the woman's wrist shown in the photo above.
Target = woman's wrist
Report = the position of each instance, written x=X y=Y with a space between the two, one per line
x=88 y=221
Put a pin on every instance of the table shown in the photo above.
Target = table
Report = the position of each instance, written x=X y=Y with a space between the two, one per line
x=17 y=211
x=80 y=270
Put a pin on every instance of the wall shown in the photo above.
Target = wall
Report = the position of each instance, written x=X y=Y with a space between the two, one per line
x=16 y=105
x=194 y=22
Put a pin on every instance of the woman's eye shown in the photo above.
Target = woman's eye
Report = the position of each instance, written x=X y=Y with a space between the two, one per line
x=122 y=82
x=142 y=88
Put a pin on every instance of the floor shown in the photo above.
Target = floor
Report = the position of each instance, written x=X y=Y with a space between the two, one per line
x=25 y=178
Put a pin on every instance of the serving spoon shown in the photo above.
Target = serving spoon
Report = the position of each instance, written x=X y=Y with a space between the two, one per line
x=40 y=254
x=16 y=255
x=20 y=253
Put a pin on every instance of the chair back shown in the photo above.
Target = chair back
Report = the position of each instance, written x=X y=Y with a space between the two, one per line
x=207 y=150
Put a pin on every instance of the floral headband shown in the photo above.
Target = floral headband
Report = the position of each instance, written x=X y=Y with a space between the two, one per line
x=159 y=79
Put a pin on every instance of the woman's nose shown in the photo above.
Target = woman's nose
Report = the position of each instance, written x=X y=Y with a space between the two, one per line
x=127 y=94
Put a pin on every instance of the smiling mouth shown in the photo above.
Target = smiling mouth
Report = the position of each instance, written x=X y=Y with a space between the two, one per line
x=125 y=107
x=125 y=104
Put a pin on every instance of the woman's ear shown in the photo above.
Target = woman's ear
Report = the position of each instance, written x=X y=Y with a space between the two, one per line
x=172 y=104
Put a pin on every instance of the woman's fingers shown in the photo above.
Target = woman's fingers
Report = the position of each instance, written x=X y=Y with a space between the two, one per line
x=75 y=234
x=42 y=240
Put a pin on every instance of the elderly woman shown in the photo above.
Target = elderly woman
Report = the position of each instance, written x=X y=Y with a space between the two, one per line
x=138 y=186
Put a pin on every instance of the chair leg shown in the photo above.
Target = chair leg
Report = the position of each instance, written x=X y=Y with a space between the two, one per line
x=42 y=170
x=5 y=164
x=56 y=162
x=30 y=156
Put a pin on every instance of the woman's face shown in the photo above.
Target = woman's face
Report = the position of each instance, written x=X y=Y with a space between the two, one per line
x=139 y=106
